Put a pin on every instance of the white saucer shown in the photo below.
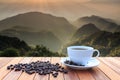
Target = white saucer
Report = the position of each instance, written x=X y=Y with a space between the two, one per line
x=92 y=63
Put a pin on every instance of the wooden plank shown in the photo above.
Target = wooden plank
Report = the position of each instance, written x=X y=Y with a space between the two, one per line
x=114 y=61
x=42 y=77
x=4 y=61
x=98 y=74
x=55 y=60
x=72 y=75
x=4 y=71
x=108 y=62
x=14 y=75
x=26 y=76
x=85 y=75
x=108 y=71
x=1 y=58
x=118 y=58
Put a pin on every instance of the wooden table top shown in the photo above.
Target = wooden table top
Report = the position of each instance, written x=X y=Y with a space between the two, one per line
x=108 y=69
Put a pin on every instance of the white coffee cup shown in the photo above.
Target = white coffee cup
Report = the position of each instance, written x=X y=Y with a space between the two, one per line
x=81 y=54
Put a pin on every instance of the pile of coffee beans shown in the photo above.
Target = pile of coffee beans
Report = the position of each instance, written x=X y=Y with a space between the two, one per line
x=72 y=63
x=40 y=67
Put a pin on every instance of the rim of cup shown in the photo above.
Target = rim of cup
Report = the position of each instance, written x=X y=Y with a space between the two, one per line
x=86 y=47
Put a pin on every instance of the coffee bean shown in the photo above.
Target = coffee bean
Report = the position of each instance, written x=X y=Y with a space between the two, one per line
x=12 y=68
x=8 y=67
x=29 y=72
x=57 y=64
x=23 y=70
x=62 y=68
x=39 y=67
x=11 y=65
x=17 y=69
x=49 y=71
x=72 y=63
x=65 y=71
x=41 y=72
x=55 y=74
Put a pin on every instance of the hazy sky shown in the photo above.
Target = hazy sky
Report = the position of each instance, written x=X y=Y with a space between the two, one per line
x=41 y=1
x=105 y=1
x=71 y=9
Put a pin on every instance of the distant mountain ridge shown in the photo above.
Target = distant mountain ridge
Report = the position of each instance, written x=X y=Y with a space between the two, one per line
x=118 y=29
x=22 y=28
x=38 y=28
x=85 y=31
x=46 y=38
x=101 y=23
x=106 y=42
x=103 y=38
x=40 y=21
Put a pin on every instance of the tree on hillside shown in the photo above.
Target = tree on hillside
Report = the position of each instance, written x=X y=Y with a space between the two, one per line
x=41 y=50
x=115 y=52
x=10 y=52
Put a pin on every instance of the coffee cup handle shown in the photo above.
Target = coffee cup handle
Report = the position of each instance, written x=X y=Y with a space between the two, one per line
x=98 y=53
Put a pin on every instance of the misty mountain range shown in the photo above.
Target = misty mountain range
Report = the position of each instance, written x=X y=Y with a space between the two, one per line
x=45 y=38
x=101 y=23
x=40 y=21
x=107 y=43
x=85 y=31
x=51 y=31
x=38 y=28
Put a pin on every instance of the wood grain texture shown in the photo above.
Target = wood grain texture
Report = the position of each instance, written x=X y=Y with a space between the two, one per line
x=85 y=75
x=72 y=75
x=108 y=69
x=4 y=61
x=98 y=74
x=114 y=61
x=111 y=64
x=14 y=75
x=4 y=71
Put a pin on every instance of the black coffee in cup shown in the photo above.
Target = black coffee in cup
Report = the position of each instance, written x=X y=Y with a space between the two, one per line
x=79 y=48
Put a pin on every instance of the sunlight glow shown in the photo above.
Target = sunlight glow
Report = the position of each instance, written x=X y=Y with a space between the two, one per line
x=41 y=1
